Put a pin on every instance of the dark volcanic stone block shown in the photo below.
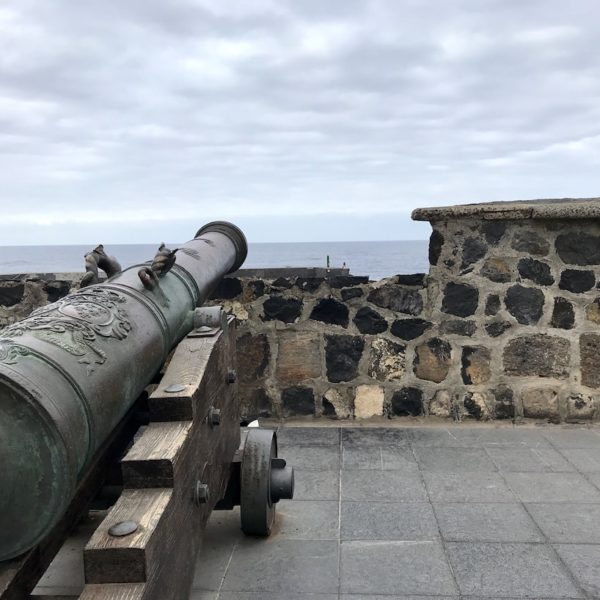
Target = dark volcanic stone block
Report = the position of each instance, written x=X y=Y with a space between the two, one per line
x=228 y=288
x=497 y=328
x=253 y=355
x=505 y=405
x=460 y=299
x=525 y=304
x=370 y=321
x=282 y=283
x=413 y=279
x=475 y=365
x=535 y=270
x=342 y=355
x=458 y=327
x=432 y=360
x=349 y=293
x=589 y=349
x=282 y=309
x=409 y=329
x=530 y=242
x=493 y=231
x=328 y=408
x=436 y=241
x=492 y=305
x=342 y=281
x=57 y=290
x=477 y=405
x=497 y=270
x=576 y=281
x=397 y=298
x=309 y=284
x=11 y=295
x=255 y=404
x=563 y=315
x=408 y=402
x=538 y=355
x=257 y=288
x=576 y=248
x=473 y=250
x=329 y=310
x=298 y=400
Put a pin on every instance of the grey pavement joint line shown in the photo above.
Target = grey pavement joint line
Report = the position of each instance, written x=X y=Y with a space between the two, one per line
x=442 y=542
x=545 y=539
x=226 y=571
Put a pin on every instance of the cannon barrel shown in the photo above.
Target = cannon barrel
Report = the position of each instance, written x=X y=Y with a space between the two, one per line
x=72 y=369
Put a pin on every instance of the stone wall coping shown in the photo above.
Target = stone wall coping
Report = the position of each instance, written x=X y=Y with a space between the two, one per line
x=266 y=273
x=558 y=208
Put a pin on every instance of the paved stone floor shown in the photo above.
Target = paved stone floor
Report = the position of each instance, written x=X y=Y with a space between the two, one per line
x=457 y=512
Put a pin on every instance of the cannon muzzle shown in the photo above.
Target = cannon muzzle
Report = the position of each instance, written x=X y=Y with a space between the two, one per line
x=72 y=369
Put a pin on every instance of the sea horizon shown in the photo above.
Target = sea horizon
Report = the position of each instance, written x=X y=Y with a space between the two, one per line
x=377 y=259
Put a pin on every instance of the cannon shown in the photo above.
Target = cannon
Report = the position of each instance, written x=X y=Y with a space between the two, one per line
x=72 y=370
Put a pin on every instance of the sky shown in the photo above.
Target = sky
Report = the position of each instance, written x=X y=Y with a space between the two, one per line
x=299 y=120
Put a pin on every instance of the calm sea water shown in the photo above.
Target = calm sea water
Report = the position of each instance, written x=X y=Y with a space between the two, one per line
x=376 y=259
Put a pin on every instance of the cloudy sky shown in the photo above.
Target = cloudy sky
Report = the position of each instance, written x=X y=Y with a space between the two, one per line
x=297 y=119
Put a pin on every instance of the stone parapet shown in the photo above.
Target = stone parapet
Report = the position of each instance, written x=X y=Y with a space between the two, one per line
x=506 y=324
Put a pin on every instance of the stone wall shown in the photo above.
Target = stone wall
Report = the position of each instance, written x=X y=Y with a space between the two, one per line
x=504 y=326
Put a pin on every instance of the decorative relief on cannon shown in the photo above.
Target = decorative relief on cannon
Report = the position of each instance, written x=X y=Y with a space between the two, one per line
x=11 y=352
x=74 y=323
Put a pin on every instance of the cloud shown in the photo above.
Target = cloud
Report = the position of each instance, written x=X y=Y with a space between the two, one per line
x=116 y=112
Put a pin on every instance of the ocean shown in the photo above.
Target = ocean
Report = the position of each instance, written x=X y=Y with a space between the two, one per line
x=375 y=259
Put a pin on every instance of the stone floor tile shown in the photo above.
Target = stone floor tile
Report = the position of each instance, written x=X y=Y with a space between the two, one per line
x=467 y=487
x=511 y=436
x=490 y=522
x=386 y=597
x=203 y=595
x=567 y=523
x=308 y=520
x=594 y=478
x=552 y=487
x=454 y=459
x=316 y=485
x=510 y=570
x=312 y=458
x=378 y=457
x=283 y=566
x=398 y=459
x=400 y=568
x=572 y=437
x=375 y=521
x=432 y=437
x=586 y=460
x=584 y=563
x=220 y=537
x=274 y=596
x=529 y=459
x=308 y=436
x=374 y=436
x=366 y=457
x=382 y=486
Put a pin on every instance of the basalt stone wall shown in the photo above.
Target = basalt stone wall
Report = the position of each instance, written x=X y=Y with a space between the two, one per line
x=506 y=325
x=337 y=346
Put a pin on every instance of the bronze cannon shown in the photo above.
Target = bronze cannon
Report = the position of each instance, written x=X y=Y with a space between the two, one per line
x=72 y=369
